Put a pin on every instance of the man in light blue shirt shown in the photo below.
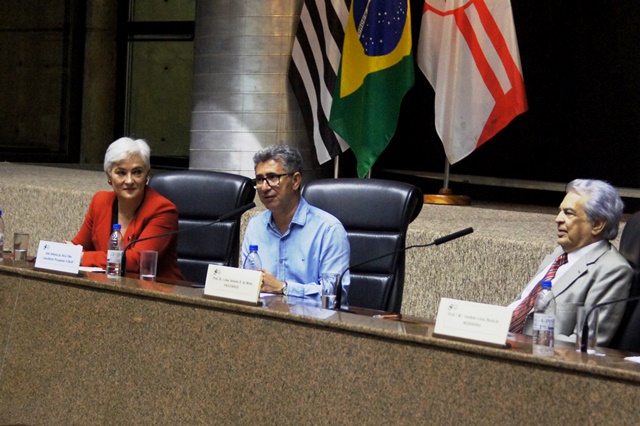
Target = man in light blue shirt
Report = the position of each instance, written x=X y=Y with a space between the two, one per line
x=296 y=241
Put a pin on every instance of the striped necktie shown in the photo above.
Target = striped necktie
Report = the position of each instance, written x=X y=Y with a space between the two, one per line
x=520 y=313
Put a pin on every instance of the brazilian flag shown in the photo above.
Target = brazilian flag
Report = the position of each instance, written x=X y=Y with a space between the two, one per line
x=376 y=71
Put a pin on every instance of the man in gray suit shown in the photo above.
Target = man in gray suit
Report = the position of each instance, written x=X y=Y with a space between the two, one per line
x=592 y=271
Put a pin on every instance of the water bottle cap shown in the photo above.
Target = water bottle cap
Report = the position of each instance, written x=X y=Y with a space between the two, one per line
x=546 y=284
x=116 y=227
x=253 y=248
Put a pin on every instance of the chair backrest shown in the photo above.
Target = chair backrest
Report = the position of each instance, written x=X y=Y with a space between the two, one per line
x=202 y=197
x=376 y=214
x=627 y=337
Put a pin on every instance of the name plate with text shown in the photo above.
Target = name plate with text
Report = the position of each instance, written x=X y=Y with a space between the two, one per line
x=473 y=321
x=59 y=257
x=224 y=282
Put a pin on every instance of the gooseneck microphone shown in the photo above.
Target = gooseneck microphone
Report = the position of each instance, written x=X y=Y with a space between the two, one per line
x=584 y=339
x=233 y=213
x=448 y=238
x=435 y=242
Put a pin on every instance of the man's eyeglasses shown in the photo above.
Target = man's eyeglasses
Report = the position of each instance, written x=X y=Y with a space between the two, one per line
x=272 y=179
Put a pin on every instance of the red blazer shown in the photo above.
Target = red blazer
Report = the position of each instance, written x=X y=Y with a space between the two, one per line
x=156 y=215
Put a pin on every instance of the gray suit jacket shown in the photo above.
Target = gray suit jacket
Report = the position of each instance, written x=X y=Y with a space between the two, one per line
x=599 y=276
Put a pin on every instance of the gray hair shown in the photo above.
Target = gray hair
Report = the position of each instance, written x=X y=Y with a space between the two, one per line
x=602 y=203
x=289 y=156
x=124 y=148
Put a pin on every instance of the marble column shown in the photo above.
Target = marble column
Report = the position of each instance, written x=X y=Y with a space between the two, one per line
x=242 y=99
x=99 y=85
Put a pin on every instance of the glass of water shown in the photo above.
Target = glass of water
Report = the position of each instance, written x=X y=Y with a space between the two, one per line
x=148 y=265
x=329 y=283
x=20 y=248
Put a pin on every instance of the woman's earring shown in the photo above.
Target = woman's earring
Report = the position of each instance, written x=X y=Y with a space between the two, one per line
x=109 y=181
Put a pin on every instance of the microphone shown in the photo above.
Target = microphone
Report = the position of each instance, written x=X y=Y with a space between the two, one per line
x=233 y=213
x=435 y=242
x=584 y=339
x=450 y=237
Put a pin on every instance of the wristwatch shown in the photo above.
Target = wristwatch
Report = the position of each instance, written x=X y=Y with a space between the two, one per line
x=284 y=288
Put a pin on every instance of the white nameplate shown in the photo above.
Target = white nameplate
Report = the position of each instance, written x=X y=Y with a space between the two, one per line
x=59 y=257
x=473 y=321
x=232 y=283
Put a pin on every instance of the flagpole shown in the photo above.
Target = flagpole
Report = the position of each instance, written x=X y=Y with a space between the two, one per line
x=336 y=166
x=445 y=195
x=445 y=184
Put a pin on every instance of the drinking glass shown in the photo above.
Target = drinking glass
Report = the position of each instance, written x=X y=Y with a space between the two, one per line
x=20 y=248
x=593 y=328
x=148 y=265
x=329 y=283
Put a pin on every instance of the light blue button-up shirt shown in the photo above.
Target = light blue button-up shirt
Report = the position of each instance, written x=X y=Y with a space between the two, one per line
x=315 y=243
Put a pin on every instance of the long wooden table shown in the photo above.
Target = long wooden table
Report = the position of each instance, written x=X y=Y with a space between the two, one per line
x=87 y=350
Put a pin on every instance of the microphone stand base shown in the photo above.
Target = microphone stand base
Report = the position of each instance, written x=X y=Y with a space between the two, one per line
x=446 y=197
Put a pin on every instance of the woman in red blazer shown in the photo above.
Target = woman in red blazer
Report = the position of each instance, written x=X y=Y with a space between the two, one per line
x=140 y=210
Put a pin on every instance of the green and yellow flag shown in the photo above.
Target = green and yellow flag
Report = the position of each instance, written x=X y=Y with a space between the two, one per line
x=376 y=71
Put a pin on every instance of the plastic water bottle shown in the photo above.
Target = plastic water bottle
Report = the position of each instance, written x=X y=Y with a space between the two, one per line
x=253 y=261
x=114 y=254
x=544 y=321
x=1 y=237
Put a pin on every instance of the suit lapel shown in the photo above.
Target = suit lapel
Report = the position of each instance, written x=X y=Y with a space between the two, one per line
x=578 y=269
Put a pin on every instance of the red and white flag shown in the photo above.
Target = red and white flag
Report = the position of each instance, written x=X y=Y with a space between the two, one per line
x=469 y=52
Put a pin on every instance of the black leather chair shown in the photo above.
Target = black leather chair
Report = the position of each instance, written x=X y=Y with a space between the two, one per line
x=627 y=337
x=202 y=197
x=376 y=214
